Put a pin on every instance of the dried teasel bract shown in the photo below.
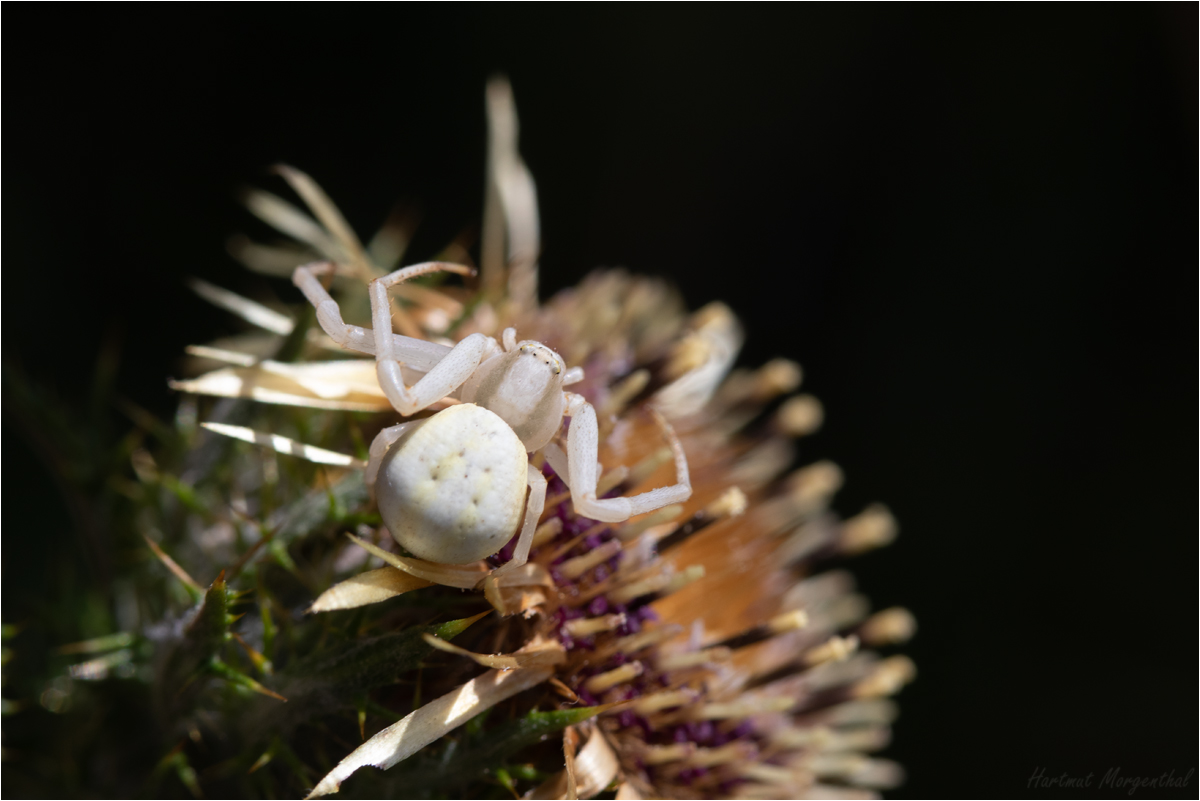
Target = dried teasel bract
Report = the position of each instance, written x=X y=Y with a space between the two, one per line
x=712 y=646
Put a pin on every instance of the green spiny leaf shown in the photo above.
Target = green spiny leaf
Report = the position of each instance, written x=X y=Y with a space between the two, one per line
x=240 y=679
x=185 y=493
x=202 y=638
x=470 y=759
x=336 y=676
x=187 y=775
x=268 y=624
x=210 y=626
x=309 y=512
x=278 y=550
x=365 y=664
x=506 y=781
x=176 y=762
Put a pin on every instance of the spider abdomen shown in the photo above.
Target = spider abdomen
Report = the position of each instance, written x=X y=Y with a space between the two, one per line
x=452 y=490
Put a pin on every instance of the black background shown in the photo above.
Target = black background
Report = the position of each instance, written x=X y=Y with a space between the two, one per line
x=975 y=227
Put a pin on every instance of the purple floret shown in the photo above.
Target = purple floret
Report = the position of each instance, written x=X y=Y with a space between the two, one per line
x=743 y=729
x=647 y=615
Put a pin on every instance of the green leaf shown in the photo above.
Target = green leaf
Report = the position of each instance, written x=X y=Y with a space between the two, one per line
x=202 y=638
x=176 y=762
x=365 y=664
x=240 y=679
x=268 y=624
x=308 y=513
x=97 y=645
x=209 y=628
x=337 y=676
x=471 y=759
x=183 y=492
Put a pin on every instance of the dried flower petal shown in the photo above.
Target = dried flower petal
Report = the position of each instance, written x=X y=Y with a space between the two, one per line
x=370 y=587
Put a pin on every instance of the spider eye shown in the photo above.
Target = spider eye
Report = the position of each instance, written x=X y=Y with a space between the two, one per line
x=543 y=355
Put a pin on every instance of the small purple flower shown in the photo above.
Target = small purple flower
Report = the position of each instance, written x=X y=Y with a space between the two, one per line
x=701 y=731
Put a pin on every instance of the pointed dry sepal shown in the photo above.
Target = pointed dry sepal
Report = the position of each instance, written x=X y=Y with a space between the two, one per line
x=277 y=260
x=345 y=385
x=464 y=577
x=319 y=203
x=370 y=587
x=537 y=654
x=511 y=227
x=285 y=446
x=432 y=721
x=520 y=590
x=386 y=248
x=283 y=216
x=570 y=741
x=590 y=771
x=254 y=313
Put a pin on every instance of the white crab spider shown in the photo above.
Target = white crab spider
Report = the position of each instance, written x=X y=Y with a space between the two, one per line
x=451 y=487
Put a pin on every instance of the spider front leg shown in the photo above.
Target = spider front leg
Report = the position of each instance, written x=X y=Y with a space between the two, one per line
x=418 y=354
x=329 y=315
x=533 y=512
x=446 y=376
x=583 y=442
